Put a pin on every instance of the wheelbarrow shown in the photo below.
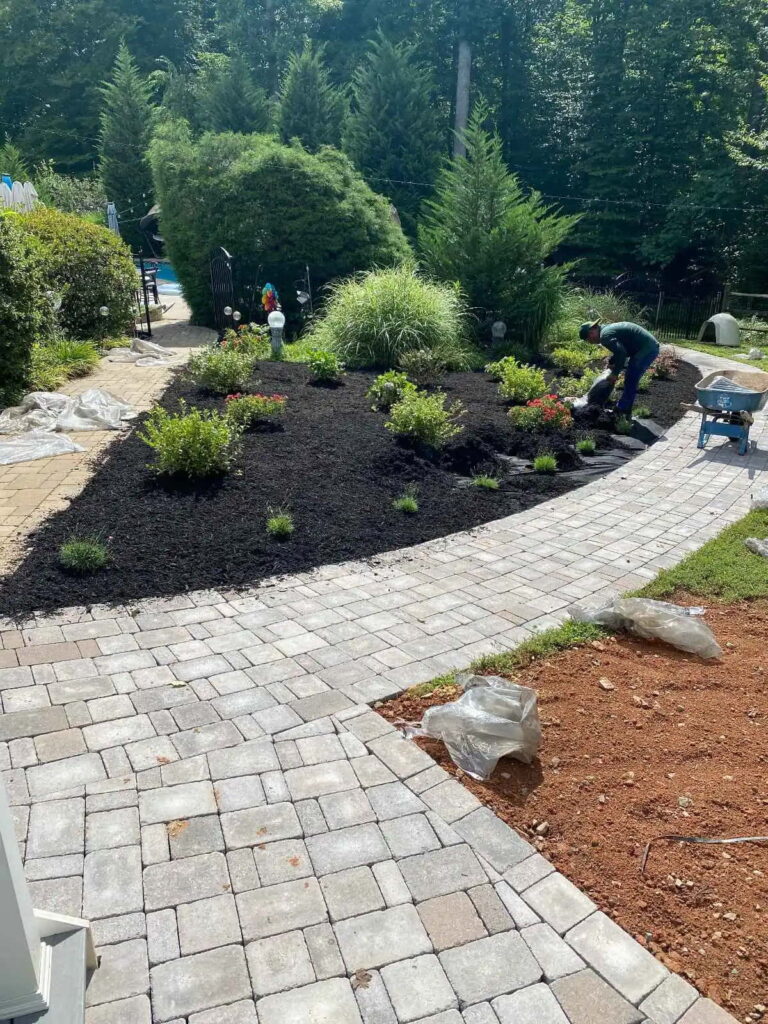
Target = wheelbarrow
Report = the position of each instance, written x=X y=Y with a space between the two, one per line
x=726 y=400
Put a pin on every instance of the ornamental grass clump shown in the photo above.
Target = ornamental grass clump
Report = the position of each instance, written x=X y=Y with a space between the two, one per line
x=280 y=524
x=221 y=370
x=520 y=382
x=83 y=554
x=624 y=425
x=546 y=462
x=586 y=446
x=389 y=388
x=547 y=413
x=198 y=443
x=485 y=483
x=407 y=502
x=247 y=410
x=420 y=418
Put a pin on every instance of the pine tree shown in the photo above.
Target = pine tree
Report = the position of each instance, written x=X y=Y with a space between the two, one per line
x=230 y=100
x=126 y=127
x=12 y=161
x=311 y=109
x=393 y=132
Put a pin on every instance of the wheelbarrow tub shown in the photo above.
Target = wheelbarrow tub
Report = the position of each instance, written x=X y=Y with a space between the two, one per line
x=712 y=397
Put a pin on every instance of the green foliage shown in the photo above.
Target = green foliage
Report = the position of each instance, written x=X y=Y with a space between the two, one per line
x=572 y=360
x=389 y=388
x=83 y=554
x=546 y=462
x=644 y=384
x=280 y=524
x=246 y=410
x=221 y=370
x=642 y=412
x=407 y=502
x=24 y=308
x=310 y=108
x=426 y=367
x=83 y=196
x=573 y=387
x=126 y=127
x=393 y=132
x=483 y=231
x=230 y=101
x=580 y=305
x=12 y=161
x=373 y=319
x=44 y=373
x=624 y=425
x=519 y=382
x=586 y=446
x=540 y=645
x=198 y=443
x=425 y=419
x=75 y=358
x=311 y=209
x=485 y=483
x=250 y=338
x=723 y=569
x=88 y=267
x=542 y=414
x=324 y=366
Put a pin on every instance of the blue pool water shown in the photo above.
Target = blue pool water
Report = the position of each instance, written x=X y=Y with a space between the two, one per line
x=167 y=282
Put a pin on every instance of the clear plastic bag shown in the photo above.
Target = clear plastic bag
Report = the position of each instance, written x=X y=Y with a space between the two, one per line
x=660 y=620
x=94 y=409
x=493 y=718
x=35 y=444
x=142 y=353
x=755 y=353
x=759 y=547
x=759 y=497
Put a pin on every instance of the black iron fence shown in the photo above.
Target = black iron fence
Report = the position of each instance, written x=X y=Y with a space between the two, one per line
x=236 y=289
x=146 y=284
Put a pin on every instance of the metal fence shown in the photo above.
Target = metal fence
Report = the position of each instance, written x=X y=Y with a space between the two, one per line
x=143 y=320
x=674 y=316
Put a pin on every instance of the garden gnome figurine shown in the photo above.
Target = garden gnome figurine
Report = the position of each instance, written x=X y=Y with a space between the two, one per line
x=498 y=331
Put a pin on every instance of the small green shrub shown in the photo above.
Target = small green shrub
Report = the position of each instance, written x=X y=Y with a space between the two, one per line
x=586 y=446
x=571 y=360
x=547 y=413
x=83 y=554
x=545 y=463
x=246 y=410
x=195 y=444
x=573 y=387
x=521 y=383
x=665 y=365
x=221 y=370
x=324 y=366
x=642 y=412
x=407 y=502
x=425 y=367
x=250 y=338
x=280 y=524
x=485 y=483
x=389 y=388
x=644 y=384
x=496 y=370
x=425 y=419
x=624 y=425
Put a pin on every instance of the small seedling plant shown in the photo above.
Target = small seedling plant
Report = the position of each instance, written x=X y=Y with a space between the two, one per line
x=280 y=524
x=546 y=462
x=83 y=554
x=485 y=483
x=586 y=446
x=407 y=503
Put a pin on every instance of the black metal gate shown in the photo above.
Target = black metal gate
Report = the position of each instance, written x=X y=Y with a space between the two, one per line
x=142 y=318
x=222 y=289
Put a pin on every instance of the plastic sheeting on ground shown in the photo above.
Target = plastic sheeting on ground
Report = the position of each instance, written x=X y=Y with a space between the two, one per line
x=658 y=620
x=759 y=497
x=94 y=409
x=493 y=718
x=142 y=353
x=35 y=444
x=757 y=546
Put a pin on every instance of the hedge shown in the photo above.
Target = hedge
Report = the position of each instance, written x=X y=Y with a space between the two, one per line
x=279 y=206
x=23 y=306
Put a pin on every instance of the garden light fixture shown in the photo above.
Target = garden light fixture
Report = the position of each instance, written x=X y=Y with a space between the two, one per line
x=276 y=321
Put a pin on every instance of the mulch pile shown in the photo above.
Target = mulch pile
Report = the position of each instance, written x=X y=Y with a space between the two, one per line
x=332 y=464
x=679 y=746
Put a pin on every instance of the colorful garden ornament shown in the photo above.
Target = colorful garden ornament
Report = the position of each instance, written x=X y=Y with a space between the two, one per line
x=269 y=298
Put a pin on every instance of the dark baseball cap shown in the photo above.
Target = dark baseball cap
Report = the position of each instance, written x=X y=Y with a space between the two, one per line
x=586 y=328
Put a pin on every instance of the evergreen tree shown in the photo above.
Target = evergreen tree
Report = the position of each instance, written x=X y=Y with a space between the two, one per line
x=230 y=100
x=311 y=109
x=126 y=127
x=12 y=161
x=393 y=131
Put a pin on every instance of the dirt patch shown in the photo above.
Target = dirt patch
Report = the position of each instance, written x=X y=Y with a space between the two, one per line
x=679 y=746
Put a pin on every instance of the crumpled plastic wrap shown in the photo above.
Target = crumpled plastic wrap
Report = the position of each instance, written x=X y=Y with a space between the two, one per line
x=35 y=444
x=493 y=718
x=598 y=394
x=755 y=353
x=658 y=620
x=757 y=546
x=94 y=409
x=142 y=353
x=759 y=497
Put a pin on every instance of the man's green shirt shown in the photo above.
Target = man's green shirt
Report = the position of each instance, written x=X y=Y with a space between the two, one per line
x=626 y=340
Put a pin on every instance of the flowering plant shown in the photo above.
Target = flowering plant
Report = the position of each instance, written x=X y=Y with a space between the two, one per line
x=547 y=413
x=250 y=338
x=245 y=410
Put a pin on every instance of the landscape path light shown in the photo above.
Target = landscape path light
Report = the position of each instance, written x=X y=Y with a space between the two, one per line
x=276 y=321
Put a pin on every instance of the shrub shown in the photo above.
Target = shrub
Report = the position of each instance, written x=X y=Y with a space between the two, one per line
x=547 y=413
x=195 y=444
x=496 y=370
x=624 y=425
x=485 y=483
x=246 y=410
x=586 y=446
x=573 y=387
x=23 y=306
x=642 y=412
x=520 y=382
x=644 y=384
x=545 y=463
x=407 y=502
x=425 y=418
x=389 y=388
x=222 y=371
x=571 y=360
x=250 y=338
x=83 y=554
x=324 y=366
x=89 y=267
x=665 y=365
x=280 y=524
x=76 y=358
x=83 y=196
x=374 y=319
x=310 y=209
x=425 y=367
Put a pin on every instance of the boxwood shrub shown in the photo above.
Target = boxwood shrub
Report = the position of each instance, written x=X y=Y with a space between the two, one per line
x=23 y=306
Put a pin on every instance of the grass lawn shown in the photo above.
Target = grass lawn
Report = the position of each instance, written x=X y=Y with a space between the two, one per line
x=749 y=341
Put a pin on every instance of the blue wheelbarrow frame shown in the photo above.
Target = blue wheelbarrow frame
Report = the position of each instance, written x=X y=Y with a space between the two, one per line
x=727 y=413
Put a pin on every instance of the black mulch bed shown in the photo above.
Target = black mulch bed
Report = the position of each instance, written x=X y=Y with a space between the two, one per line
x=332 y=464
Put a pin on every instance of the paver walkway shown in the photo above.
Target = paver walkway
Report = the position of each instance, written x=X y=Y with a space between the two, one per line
x=202 y=779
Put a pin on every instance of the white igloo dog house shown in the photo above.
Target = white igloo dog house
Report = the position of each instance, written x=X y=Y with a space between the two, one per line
x=721 y=329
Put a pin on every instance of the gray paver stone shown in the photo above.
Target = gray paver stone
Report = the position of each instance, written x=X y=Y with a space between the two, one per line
x=109 y=829
x=480 y=1013
x=321 y=704
x=492 y=911
x=447 y=1017
x=382 y=937
x=324 y=951
x=260 y=825
x=325 y=1002
x=241 y=1012
x=558 y=902
x=371 y=771
x=184 y=881
x=555 y=957
x=207 y=738
x=670 y=1000
x=18 y=724
x=342 y=810
x=112 y=882
x=199 y=982
x=54 y=746
x=278 y=963
x=276 y=719
x=115 y=734
x=418 y=988
x=529 y=871
x=282 y=861
x=58 y=776
x=704 y=1011
x=173 y=803
x=490 y=967
x=56 y=827
x=399 y=755
x=122 y=1011
x=394 y=800
x=320 y=779
x=617 y=957
x=391 y=882
x=206 y=924
x=110 y=930
x=587 y=999
x=158 y=750
x=246 y=759
x=154 y=844
x=123 y=972
x=191 y=769
x=410 y=835
x=162 y=937
x=238 y=793
x=58 y=895
x=311 y=817
x=451 y=800
x=350 y=893
x=347 y=848
x=196 y=836
x=373 y=1000
x=242 y=870
x=533 y=1005
x=321 y=749
x=451 y=920
x=441 y=872
x=281 y=908
x=494 y=840
x=521 y=913
x=54 y=867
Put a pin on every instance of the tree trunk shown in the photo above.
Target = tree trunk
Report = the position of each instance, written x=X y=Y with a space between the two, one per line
x=463 y=78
